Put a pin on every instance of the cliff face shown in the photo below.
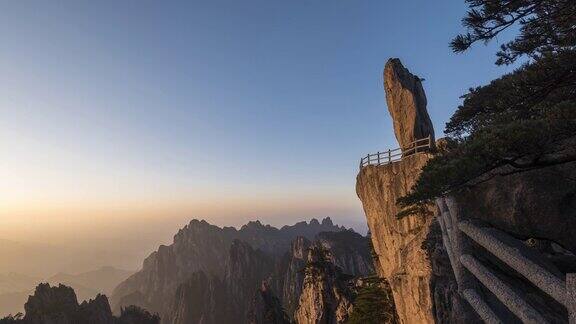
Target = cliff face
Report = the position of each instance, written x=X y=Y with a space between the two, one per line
x=291 y=274
x=533 y=212
x=326 y=297
x=410 y=252
x=538 y=203
x=246 y=270
x=398 y=242
x=348 y=251
x=207 y=299
x=199 y=300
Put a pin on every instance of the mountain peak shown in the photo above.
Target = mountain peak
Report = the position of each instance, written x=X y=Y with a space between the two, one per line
x=327 y=222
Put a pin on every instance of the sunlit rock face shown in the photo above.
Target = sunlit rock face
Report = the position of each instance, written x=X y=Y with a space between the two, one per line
x=398 y=242
x=406 y=102
x=326 y=297
x=410 y=252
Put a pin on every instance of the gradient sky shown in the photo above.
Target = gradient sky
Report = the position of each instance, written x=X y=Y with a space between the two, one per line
x=114 y=112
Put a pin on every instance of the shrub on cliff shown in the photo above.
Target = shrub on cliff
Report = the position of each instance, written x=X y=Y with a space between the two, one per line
x=373 y=303
x=519 y=117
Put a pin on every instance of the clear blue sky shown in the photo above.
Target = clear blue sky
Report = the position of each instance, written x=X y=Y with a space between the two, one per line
x=250 y=109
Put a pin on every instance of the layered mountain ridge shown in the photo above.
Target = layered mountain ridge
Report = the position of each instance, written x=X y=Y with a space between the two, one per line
x=216 y=275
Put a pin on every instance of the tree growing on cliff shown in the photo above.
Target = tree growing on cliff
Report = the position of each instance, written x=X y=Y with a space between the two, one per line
x=373 y=303
x=518 y=119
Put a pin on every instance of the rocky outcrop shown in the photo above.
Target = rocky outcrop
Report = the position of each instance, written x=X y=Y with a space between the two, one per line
x=266 y=308
x=51 y=304
x=96 y=311
x=406 y=102
x=59 y=305
x=410 y=253
x=200 y=246
x=348 y=250
x=530 y=212
x=326 y=297
x=538 y=203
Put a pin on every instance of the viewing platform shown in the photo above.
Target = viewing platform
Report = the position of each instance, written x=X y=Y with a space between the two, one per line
x=390 y=156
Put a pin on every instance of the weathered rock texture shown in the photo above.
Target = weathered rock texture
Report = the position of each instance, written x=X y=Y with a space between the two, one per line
x=398 y=242
x=540 y=203
x=411 y=256
x=406 y=102
x=531 y=211
x=325 y=298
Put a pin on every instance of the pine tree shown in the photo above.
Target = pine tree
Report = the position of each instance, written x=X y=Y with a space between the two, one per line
x=518 y=118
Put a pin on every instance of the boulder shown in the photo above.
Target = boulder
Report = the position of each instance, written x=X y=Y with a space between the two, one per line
x=406 y=102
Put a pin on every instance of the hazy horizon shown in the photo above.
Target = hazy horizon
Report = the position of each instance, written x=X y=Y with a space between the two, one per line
x=44 y=258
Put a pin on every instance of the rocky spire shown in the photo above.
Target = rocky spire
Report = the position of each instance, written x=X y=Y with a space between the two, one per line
x=406 y=102
x=326 y=297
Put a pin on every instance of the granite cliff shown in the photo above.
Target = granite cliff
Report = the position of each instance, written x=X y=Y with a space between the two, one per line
x=411 y=256
x=410 y=253
x=406 y=102
x=531 y=211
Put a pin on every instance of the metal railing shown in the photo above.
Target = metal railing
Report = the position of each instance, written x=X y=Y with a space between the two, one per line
x=457 y=235
x=387 y=157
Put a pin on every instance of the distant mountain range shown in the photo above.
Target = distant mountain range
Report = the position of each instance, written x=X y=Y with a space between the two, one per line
x=43 y=260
